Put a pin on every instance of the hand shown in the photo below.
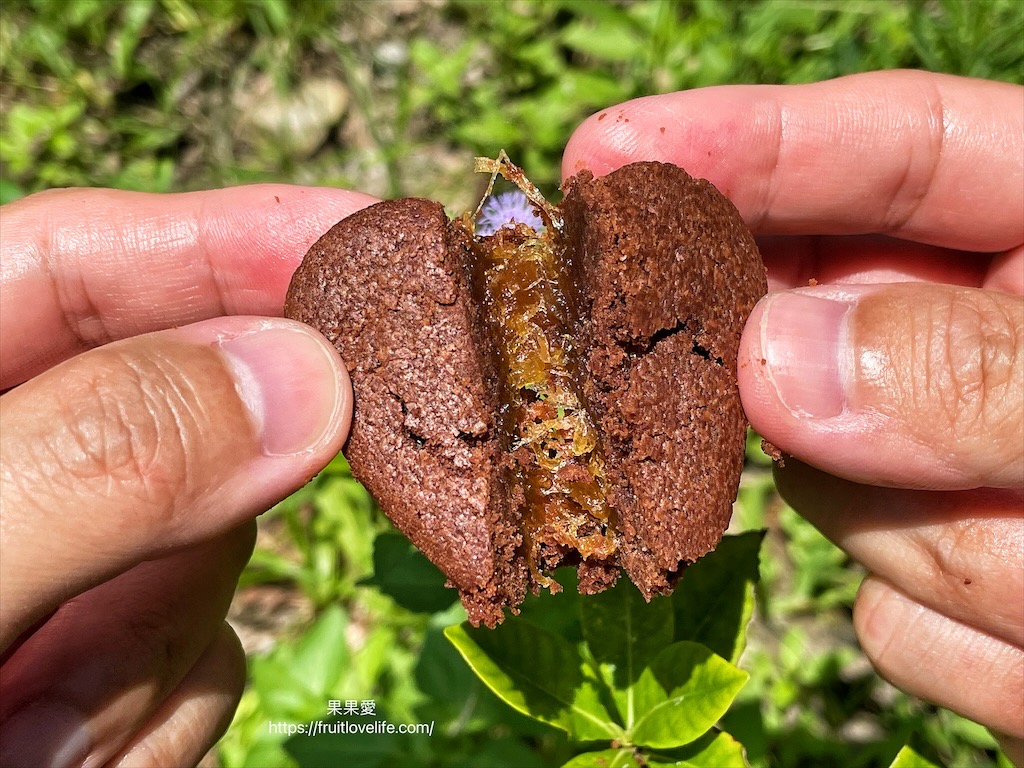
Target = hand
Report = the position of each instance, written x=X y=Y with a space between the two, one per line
x=897 y=382
x=140 y=439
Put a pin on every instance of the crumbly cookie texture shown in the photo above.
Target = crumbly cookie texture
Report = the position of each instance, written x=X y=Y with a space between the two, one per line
x=543 y=395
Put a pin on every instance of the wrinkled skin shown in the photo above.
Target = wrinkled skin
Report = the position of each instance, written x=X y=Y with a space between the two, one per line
x=896 y=382
x=145 y=430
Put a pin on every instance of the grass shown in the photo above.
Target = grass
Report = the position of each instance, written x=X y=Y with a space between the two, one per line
x=152 y=94
x=395 y=99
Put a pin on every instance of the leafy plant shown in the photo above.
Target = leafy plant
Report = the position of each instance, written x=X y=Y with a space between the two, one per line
x=908 y=757
x=634 y=678
x=326 y=536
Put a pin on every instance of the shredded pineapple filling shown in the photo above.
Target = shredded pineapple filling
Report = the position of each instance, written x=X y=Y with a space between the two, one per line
x=553 y=439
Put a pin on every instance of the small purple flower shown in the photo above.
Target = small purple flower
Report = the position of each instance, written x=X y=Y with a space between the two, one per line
x=501 y=210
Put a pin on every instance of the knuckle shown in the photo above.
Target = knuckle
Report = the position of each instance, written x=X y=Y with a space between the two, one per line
x=978 y=370
x=952 y=361
x=163 y=646
x=978 y=351
x=949 y=365
x=922 y=160
x=951 y=553
x=1001 y=666
x=877 y=634
x=127 y=422
x=969 y=572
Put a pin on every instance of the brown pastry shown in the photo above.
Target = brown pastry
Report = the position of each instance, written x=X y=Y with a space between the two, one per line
x=527 y=399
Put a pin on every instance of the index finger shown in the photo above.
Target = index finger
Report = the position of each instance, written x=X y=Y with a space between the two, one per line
x=82 y=267
x=926 y=157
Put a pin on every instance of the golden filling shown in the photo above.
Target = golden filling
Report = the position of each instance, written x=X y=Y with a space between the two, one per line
x=554 y=442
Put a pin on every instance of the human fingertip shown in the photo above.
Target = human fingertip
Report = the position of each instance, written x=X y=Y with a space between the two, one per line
x=793 y=365
x=804 y=345
x=291 y=381
x=929 y=654
x=875 y=608
x=44 y=734
x=293 y=384
x=881 y=615
x=603 y=142
x=904 y=384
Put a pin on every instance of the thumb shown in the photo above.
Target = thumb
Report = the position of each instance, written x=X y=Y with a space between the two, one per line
x=913 y=385
x=157 y=442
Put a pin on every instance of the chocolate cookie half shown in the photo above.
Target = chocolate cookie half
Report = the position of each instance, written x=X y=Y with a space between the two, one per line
x=548 y=395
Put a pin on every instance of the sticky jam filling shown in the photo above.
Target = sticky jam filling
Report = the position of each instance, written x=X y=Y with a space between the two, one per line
x=557 y=451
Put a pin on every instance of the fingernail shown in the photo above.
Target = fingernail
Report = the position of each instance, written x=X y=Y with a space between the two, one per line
x=44 y=736
x=804 y=344
x=289 y=381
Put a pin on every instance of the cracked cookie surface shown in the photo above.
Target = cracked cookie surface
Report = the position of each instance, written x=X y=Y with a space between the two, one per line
x=657 y=275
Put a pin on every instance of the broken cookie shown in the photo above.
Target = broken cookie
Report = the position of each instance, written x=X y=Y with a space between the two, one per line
x=553 y=386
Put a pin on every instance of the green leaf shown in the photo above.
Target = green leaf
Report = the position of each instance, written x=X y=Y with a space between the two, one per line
x=908 y=757
x=538 y=674
x=136 y=14
x=321 y=657
x=715 y=598
x=682 y=694
x=604 y=43
x=264 y=751
x=624 y=633
x=595 y=90
x=456 y=695
x=281 y=695
x=403 y=573
x=266 y=567
x=441 y=673
x=745 y=720
x=557 y=612
x=713 y=750
x=606 y=758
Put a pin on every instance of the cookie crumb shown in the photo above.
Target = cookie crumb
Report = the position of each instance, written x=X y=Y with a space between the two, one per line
x=773 y=453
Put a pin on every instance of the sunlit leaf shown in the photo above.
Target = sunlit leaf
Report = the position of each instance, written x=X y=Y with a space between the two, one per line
x=321 y=656
x=624 y=633
x=682 y=694
x=714 y=750
x=908 y=757
x=540 y=675
x=606 y=758
x=714 y=599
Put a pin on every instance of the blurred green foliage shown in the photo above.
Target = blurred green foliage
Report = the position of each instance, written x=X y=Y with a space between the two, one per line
x=644 y=682
x=143 y=94
x=151 y=95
